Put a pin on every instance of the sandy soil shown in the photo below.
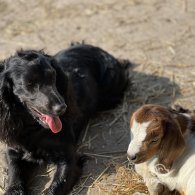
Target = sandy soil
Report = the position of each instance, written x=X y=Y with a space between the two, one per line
x=158 y=36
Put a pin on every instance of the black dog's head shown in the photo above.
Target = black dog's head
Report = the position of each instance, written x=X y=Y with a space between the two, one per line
x=31 y=77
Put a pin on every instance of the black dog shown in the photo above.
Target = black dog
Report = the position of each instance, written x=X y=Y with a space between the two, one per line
x=45 y=101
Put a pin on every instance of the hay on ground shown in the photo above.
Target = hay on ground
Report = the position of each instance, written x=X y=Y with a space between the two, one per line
x=125 y=182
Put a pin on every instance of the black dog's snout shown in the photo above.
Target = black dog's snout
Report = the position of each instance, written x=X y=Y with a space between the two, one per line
x=59 y=109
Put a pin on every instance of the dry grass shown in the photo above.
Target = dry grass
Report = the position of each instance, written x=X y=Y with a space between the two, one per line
x=124 y=182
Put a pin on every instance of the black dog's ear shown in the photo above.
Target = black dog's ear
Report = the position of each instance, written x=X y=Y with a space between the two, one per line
x=2 y=65
x=61 y=77
x=55 y=65
x=65 y=88
x=59 y=71
x=8 y=118
x=5 y=89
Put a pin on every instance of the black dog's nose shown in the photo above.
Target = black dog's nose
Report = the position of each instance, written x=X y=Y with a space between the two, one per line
x=131 y=157
x=59 y=108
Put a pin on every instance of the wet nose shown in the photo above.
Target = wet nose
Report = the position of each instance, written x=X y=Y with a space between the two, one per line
x=131 y=157
x=59 y=109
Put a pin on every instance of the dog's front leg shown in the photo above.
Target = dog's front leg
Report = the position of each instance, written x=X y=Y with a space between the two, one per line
x=15 y=174
x=66 y=176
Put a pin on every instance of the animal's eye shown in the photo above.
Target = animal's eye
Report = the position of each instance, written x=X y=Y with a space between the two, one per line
x=155 y=140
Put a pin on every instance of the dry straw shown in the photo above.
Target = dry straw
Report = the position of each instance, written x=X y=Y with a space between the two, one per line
x=124 y=182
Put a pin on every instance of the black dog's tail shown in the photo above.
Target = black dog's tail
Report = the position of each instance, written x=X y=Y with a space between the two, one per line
x=115 y=81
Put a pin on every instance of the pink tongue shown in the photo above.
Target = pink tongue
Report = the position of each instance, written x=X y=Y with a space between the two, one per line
x=54 y=123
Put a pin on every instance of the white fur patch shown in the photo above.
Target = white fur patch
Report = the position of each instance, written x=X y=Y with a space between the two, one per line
x=138 y=134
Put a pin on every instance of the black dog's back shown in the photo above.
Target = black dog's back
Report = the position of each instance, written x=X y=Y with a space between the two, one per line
x=93 y=68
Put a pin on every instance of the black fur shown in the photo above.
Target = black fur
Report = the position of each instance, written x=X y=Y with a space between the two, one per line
x=74 y=84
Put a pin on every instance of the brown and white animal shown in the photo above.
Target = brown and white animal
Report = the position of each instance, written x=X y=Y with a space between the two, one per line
x=163 y=148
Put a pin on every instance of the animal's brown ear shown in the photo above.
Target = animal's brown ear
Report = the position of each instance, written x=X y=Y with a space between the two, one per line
x=172 y=144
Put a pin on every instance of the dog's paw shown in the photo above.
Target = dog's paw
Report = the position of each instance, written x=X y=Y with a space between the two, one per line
x=50 y=191
x=15 y=190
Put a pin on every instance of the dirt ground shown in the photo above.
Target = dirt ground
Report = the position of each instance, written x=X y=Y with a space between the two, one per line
x=158 y=36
